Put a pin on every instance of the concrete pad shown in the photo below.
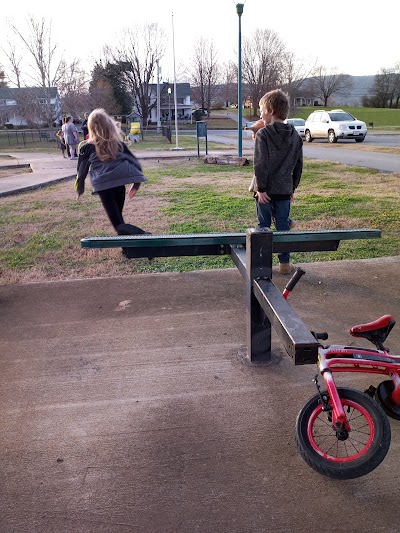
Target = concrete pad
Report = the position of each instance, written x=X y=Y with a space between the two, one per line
x=128 y=405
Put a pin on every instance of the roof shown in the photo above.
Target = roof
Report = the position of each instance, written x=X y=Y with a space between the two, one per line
x=182 y=89
x=12 y=93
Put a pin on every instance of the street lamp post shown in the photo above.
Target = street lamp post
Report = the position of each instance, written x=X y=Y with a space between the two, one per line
x=239 y=11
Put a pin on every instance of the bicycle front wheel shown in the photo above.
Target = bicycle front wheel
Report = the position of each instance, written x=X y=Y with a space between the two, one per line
x=348 y=454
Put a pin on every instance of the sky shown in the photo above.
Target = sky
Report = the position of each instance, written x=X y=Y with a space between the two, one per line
x=354 y=37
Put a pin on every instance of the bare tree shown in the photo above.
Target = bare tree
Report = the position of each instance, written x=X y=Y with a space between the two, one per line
x=73 y=87
x=397 y=85
x=14 y=60
x=295 y=73
x=386 y=88
x=205 y=74
x=136 y=56
x=326 y=84
x=28 y=106
x=46 y=65
x=263 y=60
x=39 y=43
x=229 y=81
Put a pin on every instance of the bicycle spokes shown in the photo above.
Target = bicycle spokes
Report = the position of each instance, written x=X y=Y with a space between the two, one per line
x=339 y=443
x=349 y=449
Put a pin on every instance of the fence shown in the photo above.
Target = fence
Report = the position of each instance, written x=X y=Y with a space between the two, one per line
x=15 y=138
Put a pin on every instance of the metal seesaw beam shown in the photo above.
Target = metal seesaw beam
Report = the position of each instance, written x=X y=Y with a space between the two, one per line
x=297 y=339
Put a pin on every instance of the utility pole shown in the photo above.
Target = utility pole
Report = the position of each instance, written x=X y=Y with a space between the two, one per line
x=158 y=98
x=239 y=11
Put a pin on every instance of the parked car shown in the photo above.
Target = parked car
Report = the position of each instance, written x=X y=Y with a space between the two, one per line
x=298 y=124
x=202 y=110
x=199 y=114
x=334 y=125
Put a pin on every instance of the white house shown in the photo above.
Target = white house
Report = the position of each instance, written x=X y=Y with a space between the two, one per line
x=167 y=101
x=28 y=106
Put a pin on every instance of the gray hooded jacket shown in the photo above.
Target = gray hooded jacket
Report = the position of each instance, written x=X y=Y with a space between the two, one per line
x=278 y=159
x=124 y=170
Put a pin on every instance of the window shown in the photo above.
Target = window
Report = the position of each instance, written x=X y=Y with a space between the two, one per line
x=338 y=117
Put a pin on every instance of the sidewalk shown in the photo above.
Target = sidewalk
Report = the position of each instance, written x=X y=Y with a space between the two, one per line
x=49 y=168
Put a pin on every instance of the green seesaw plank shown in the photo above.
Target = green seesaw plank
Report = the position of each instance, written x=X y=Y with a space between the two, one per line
x=144 y=241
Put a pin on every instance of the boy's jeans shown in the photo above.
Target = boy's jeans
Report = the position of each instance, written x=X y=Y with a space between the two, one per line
x=281 y=210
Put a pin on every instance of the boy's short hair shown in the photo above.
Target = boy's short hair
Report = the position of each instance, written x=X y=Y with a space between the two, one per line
x=276 y=101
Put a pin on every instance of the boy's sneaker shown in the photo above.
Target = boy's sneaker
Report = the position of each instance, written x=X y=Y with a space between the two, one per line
x=292 y=223
x=286 y=268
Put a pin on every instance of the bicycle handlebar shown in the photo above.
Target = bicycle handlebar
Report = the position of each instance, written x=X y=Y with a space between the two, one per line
x=320 y=336
x=299 y=272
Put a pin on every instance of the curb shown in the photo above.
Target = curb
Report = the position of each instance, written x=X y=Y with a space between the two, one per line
x=35 y=186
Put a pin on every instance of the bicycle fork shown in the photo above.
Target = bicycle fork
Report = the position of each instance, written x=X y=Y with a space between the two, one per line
x=337 y=415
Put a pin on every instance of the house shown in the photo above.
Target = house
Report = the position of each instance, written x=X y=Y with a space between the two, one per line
x=301 y=101
x=167 y=102
x=29 y=106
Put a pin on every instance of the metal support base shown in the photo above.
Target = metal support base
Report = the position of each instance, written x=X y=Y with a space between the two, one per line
x=258 y=266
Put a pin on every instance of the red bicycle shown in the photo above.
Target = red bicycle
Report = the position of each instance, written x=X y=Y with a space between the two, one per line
x=341 y=432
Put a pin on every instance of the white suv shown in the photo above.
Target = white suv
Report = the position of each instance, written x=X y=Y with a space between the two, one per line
x=334 y=125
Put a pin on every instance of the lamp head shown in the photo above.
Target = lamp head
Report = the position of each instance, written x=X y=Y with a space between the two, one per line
x=239 y=9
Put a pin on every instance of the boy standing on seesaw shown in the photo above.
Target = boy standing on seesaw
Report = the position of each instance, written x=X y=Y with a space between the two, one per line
x=278 y=164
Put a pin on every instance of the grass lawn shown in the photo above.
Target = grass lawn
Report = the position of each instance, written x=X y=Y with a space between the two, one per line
x=151 y=142
x=41 y=230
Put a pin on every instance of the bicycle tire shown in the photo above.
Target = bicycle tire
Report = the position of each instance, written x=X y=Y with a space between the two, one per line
x=323 y=451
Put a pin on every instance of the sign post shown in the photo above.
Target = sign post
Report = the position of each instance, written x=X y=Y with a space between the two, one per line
x=201 y=130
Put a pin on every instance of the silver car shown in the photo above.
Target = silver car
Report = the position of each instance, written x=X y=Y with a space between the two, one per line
x=298 y=124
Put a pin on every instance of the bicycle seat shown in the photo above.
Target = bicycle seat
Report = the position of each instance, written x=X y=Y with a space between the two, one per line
x=376 y=331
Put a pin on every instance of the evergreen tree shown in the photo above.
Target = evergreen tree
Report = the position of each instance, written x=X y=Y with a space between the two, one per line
x=3 y=83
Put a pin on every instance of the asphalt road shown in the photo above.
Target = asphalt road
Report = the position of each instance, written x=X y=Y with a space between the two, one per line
x=375 y=160
x=327 y=152
x=374 y=139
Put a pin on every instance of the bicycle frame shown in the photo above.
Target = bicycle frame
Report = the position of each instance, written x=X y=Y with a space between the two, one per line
x=338 y=358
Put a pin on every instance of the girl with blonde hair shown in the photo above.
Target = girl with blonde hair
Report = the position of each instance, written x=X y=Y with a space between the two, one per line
x=111 y=166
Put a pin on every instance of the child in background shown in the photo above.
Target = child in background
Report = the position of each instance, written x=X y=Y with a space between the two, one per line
x=61 y=143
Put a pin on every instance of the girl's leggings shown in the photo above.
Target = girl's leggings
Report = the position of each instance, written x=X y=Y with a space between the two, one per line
x=113 y=202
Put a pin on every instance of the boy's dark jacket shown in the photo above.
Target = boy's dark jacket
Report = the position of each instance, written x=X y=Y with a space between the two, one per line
x=278 y=159
x=104 y=175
